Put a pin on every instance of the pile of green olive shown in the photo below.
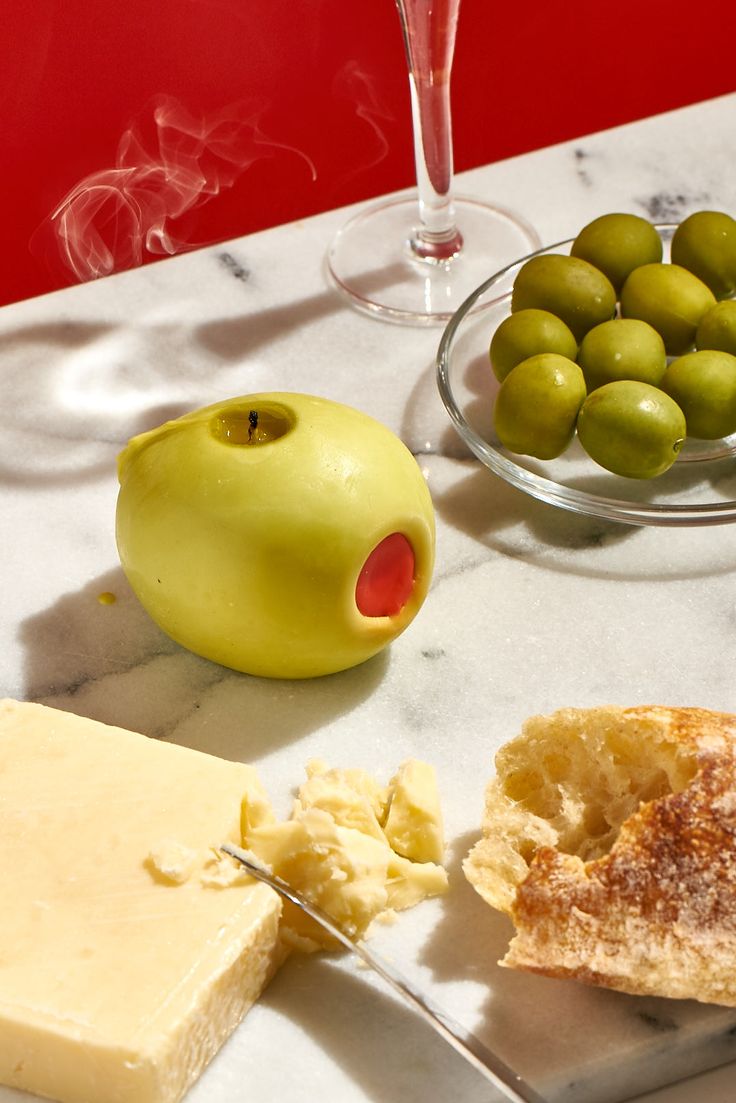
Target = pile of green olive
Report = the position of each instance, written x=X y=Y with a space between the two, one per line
x=632 y=353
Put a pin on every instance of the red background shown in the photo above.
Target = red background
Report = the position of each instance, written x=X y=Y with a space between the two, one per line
x=328 y=79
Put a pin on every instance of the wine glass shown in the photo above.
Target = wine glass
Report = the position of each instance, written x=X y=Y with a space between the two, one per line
x=414 y=259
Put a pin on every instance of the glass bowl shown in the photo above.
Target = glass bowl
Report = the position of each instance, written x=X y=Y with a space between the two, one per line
x=699 y=489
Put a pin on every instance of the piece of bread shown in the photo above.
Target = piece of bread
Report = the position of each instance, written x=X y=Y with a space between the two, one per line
x=609 y=837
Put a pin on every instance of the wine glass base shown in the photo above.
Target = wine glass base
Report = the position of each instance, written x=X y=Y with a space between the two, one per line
x=371 y=261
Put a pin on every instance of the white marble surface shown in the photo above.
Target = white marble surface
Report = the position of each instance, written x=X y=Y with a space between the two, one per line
x=530 y=609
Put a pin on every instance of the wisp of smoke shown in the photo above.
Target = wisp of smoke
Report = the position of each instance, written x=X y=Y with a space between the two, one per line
x=354 y=84
x=112 y=218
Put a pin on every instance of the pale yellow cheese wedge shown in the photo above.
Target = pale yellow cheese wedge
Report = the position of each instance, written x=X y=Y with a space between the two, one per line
x=124 y=962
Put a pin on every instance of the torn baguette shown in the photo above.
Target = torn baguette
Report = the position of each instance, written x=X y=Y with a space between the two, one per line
x=609 y=837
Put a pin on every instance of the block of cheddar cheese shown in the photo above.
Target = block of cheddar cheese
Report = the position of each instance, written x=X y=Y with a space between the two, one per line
x=125 y=961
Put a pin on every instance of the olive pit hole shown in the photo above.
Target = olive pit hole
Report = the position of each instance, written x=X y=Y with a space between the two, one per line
x=251 y=426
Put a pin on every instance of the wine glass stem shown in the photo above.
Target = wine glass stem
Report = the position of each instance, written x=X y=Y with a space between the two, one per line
x=429 y=28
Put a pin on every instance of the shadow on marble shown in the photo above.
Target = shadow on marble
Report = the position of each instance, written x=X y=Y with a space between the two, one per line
x=425 y=424
x=314 y=994
x=467 y=944
x=74 y=392
x=485 y=508
x=69 y=334
x=110 y=662
x=232 y=338
x=506 y=520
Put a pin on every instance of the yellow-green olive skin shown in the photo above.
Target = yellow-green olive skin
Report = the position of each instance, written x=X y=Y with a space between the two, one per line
x=528 y=333
x=623 y=348
x=617 y=244
x=537 y=406
x=246 y=542
x=568 y=287
x=705 y=244
x=717 y=329
x=669 y=298
x=631 y=429
x=703 y=384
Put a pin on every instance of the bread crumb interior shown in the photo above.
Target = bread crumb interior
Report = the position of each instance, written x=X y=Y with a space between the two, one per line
x=569 y=781
x=585 y=784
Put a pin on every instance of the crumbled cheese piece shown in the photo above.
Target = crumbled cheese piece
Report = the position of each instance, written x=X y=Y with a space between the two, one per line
x=221 y=871
x=172 y=860
x=335 y=851
x=413 y=825
x=352 y=797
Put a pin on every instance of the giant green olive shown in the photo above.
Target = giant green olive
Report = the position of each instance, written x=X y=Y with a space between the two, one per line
x=703 y=384
x=528 y=333
x=705 y=244
x=717 y=329
x=617 y=244
x=279 y=534
x=566 y=286
x=537 y=405
x=631 y=428
x=670 y=299
x=622 y=348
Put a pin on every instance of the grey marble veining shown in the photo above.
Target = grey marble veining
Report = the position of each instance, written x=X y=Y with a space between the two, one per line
x=531 y=608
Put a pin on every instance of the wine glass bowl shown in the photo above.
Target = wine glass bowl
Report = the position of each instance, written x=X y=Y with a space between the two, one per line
x=699 y=489
x=414 y=258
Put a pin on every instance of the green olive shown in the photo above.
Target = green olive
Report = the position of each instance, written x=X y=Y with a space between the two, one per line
x=623 y=348
x=631 y=428
x=617 y=244
x=537 y=405
x=566 y=286
x=705 y=244
x=717 y=329
x=526 y=334
x=670 y=299
x=703 y=384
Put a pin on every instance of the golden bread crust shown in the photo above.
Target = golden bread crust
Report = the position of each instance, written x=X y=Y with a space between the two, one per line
x=656 y=912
